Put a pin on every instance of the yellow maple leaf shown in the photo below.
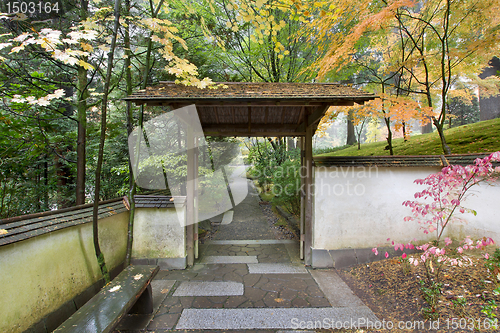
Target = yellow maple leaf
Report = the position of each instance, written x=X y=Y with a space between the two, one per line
x=87 y=47
x=85 y=65
x=3 y=232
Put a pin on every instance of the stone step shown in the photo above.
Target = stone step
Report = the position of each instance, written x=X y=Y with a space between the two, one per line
x=277 y=318
x=335 y=289
x=276 y=268
x=207 y=288
x=228 y=217
x=229 y=260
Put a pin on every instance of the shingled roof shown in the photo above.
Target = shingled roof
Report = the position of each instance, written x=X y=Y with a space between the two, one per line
x=27 y=226
x=398 y=161
x=254 y=109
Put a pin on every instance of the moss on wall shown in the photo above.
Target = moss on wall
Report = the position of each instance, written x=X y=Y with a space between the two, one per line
x=158 y=233
x=40 y=274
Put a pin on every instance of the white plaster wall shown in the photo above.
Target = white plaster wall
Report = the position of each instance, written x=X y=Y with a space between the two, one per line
x=360 y=207
x=40 y=274
x=485 y=200
x=158 y=233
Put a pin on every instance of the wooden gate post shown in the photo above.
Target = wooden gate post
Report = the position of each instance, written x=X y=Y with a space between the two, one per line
x=302 y=194
x=308 y=200
x=190 y=195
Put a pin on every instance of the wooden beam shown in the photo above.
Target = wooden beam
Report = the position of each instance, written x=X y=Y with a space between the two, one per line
x=255 y=127
x=224 y=102
x=301 y=114
x=308 y=200
x=195 y=198
x=254 y=134
x=190 y=197
x=216 y=116
x=249 y=109
x=316 y=116
x=302 y=196
x=313 y=118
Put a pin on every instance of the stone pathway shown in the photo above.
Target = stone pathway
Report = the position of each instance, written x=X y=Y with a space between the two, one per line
x=247 y=220
x=253 y=285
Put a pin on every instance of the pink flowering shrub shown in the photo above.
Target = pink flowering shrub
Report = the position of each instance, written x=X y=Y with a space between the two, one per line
x=446 y=192
x=436 y=208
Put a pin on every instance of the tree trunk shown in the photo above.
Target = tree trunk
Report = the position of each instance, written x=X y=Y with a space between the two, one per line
x=64 y=179
x=133 y=186
x=351 y=135
x=100 y=256
x=130 y=121
x=82 y=135
x=444 y=145
x=445 y=80
x=46 y=182
x=83 y=94
x=389 y=135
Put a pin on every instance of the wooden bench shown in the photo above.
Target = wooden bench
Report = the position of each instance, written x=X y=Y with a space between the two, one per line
x=130 y=291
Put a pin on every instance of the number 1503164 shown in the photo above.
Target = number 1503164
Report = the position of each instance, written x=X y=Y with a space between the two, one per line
x=34 y=9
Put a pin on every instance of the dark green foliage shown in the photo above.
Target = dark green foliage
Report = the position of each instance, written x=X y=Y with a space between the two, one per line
x=462 y=113
x=287 y=184
x=431 y=295
x=277 y=169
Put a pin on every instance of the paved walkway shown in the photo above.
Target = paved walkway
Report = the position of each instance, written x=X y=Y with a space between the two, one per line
x=246 y=221
x=253 y=285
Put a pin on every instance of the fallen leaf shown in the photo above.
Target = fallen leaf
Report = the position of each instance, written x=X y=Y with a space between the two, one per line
x=138 y=276
x=3 y=232
x=164 y=291
x=279 y=300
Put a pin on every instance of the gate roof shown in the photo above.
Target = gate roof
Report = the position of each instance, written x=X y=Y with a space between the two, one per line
x=254 y=109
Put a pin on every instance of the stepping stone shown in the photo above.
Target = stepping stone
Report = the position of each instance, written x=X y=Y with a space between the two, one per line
x=335 y=289
x=276 y=318
x=228 y=217
x=160 y=289
x=229 y=260
x=275 y=268
x=209 y=289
